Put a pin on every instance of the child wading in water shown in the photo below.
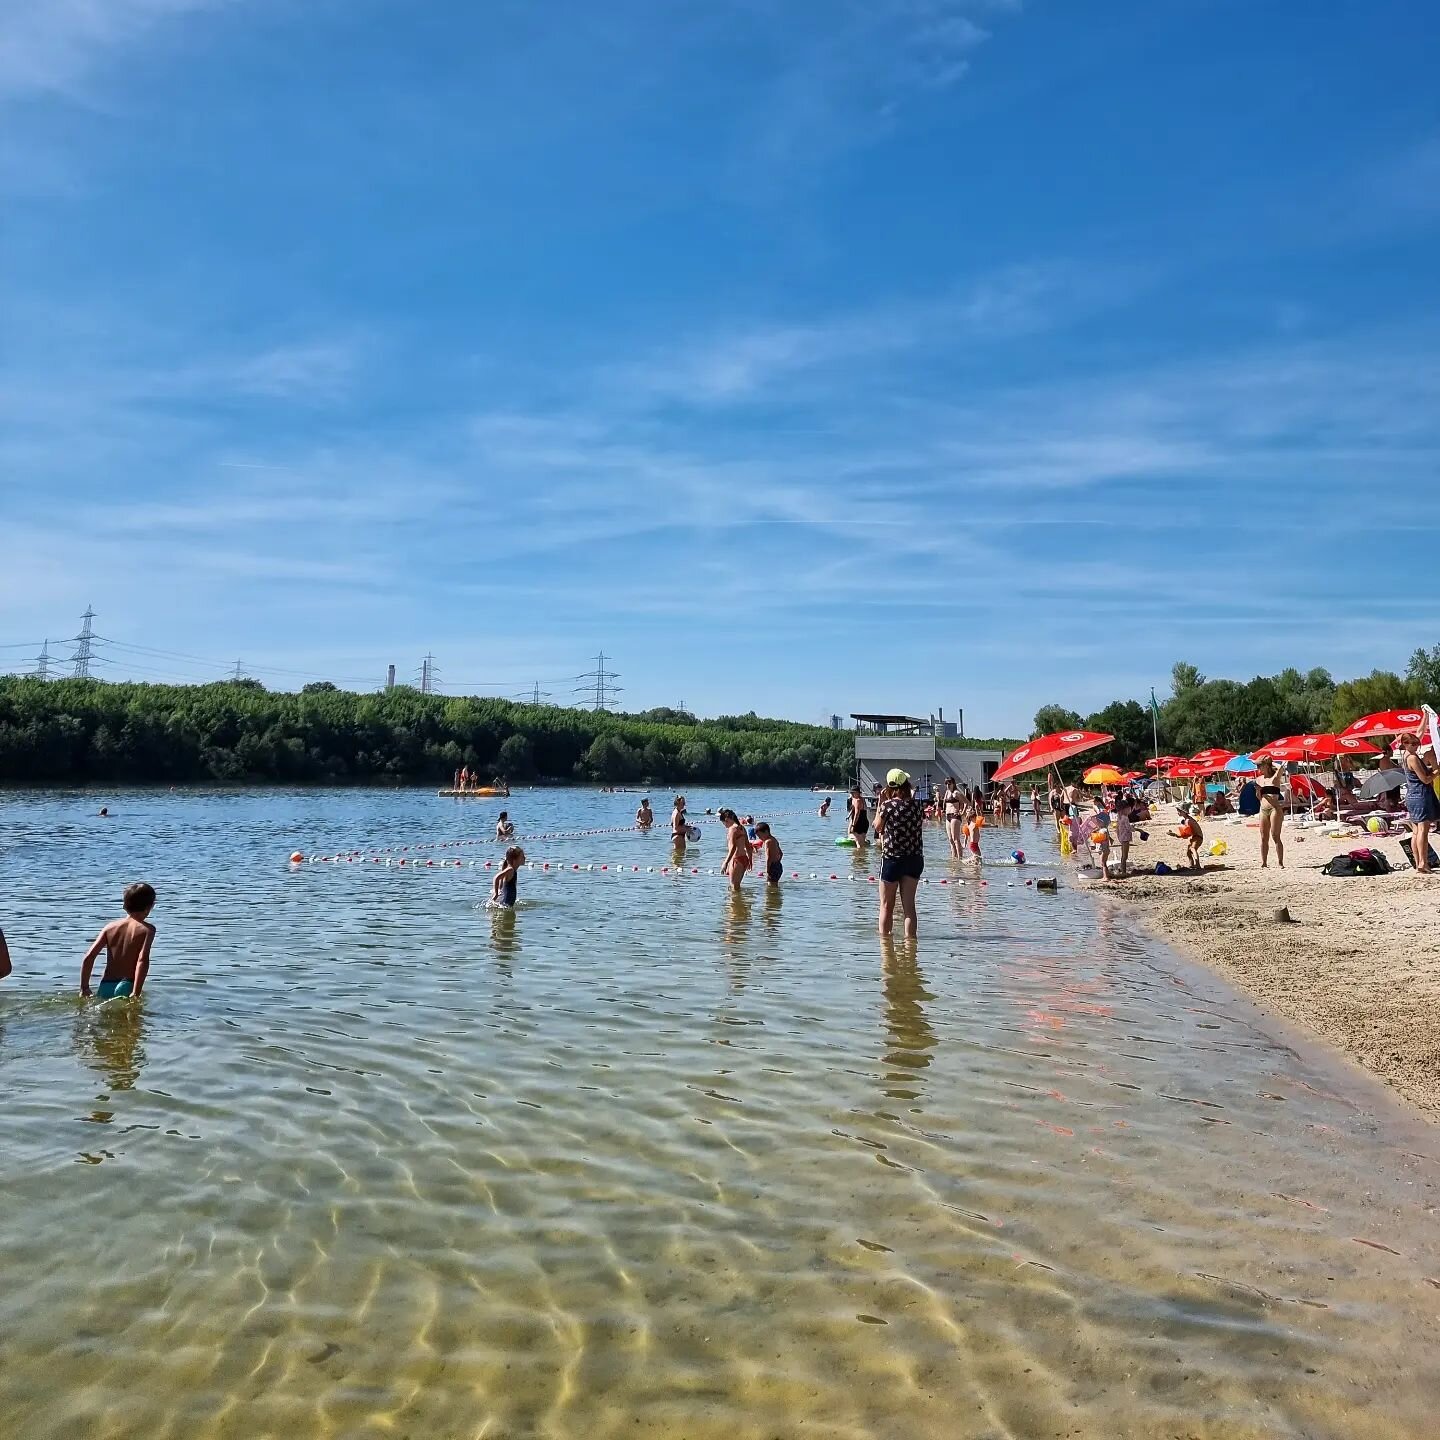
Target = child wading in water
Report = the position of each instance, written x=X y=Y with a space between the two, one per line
x=505 y=888
x=126 y=943
x=774 y=855
x=504 y=826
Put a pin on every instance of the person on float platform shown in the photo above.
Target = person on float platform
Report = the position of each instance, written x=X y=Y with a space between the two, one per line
x=900 y=828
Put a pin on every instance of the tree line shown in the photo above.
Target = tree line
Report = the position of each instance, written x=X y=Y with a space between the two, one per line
x=79 y=731
x=1242 y=716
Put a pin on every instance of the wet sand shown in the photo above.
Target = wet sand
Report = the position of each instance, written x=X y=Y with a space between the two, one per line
x=1359 y=964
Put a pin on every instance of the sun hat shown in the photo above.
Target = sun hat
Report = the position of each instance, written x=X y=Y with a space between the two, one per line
x=897 y=777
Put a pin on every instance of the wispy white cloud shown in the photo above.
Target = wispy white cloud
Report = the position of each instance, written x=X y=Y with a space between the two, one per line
x=851 y=69
x=1013 y=302
x=53 y=46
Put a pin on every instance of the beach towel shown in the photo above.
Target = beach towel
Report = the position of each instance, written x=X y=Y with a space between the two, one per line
x=1408 y=846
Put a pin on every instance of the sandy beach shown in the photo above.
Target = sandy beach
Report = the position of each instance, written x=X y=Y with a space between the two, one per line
x=1359 y=963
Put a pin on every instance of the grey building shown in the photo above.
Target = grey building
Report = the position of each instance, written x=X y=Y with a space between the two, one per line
x=907 y=742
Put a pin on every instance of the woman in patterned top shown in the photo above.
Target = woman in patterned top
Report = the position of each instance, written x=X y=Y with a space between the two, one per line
x=900 y=826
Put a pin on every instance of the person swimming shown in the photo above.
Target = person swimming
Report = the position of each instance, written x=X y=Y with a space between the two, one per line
x=504 y=826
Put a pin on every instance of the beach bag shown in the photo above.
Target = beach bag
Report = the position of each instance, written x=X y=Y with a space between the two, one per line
x=1357 y=862
x=1408 y=846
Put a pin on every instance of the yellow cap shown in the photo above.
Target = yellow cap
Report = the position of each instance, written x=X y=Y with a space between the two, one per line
x=897 y=777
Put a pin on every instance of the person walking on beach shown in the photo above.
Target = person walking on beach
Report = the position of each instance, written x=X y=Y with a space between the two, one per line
x=126 y=943
x=739 y=856
x=1422 y=805
x=1272 y=812
x=900 y=828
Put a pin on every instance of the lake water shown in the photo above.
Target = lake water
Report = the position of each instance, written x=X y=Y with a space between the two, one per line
x=640 y=1160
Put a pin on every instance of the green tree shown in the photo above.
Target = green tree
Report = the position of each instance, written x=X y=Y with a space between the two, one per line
x=1424 y=673
x=1052 y=719
x=1379 y=690
x=516 y=757
x=1129 y=722
x=1183 y=677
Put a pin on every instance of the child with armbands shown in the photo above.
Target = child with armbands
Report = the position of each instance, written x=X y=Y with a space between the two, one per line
x=1192 y=834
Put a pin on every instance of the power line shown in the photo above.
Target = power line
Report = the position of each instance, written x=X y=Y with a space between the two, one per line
x=429 y=674
x=598 y=686
x=42 y=662
x=238 y=673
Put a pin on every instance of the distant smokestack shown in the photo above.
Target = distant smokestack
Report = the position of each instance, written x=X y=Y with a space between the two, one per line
x=390 y=678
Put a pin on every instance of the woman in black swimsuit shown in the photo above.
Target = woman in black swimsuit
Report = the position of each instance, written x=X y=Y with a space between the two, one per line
x=1272 y=812
x=858 y=825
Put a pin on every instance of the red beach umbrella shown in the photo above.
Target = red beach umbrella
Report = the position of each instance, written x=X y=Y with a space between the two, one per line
x=1049 y=750
x=1209 y=757
x=1185 y=770
x=1384 y=722
x=1313 y=747
x=1161 y=761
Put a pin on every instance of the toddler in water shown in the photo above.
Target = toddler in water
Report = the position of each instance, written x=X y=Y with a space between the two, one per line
x=126 y=943
x=774 y=855
x=505 y=888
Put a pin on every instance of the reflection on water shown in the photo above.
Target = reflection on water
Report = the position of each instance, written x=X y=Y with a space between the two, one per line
x=646 y=1158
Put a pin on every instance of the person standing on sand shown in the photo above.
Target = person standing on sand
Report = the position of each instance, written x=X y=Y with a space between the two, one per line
x=1422 y=806
x=1272 y=812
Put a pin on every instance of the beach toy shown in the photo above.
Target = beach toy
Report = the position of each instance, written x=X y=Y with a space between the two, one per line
x=1018 y=856
x=1373 y=825
x=848 y=840
x=298 y=859
x=1185 y=832
x=1219 y=848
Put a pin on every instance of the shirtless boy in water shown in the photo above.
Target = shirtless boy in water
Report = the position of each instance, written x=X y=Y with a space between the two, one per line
x=126 y=943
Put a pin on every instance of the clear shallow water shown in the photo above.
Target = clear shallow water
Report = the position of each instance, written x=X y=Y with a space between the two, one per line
x=643 y=1161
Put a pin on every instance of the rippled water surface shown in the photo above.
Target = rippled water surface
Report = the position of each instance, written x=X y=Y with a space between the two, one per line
x=640 y=1160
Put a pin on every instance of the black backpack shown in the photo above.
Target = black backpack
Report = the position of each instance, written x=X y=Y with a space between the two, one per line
x=1357 y=862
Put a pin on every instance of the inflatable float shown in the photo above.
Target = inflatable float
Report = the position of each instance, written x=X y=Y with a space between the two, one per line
x=482 y=792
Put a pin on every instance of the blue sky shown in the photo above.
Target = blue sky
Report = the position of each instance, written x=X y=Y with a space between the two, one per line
x=805 y=355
